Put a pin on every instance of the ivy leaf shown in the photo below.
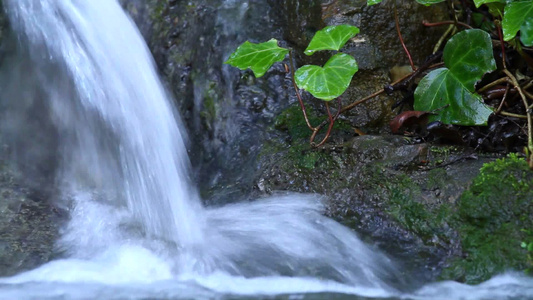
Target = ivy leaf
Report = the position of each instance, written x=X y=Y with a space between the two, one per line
x=331 y=38
x=372 y=2
x=478 y=3
x=450 y=91
x=258 y=57
x=518 y=16
x=429 y=2
x=330 y=81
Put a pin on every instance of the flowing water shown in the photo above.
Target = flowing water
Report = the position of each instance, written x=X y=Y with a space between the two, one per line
x=137 y=228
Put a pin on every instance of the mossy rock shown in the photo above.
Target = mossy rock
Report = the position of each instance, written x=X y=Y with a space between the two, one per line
x=493 y=218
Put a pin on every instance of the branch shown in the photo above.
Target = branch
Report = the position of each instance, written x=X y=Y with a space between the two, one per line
x=302 y=106
x=529 y=117
x=401 y=38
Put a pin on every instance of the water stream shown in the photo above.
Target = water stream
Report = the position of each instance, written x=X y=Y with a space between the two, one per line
x=138 y=229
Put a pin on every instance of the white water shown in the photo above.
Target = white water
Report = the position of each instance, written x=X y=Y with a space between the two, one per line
x=137 y=227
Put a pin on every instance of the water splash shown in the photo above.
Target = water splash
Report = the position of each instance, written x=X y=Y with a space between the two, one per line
x=118 y=131
x=137 y=227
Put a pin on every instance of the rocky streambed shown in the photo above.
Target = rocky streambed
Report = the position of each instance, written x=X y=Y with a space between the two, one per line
x=428 y=205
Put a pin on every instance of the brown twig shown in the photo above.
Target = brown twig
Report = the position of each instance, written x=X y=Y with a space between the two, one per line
x=508 y=114
x=428 y=24
x=500 y=35
x=529 y=117
x=393 y=85
x=494 y=83
x=528 y=85
x=397 y=21
x=302 y=106
x=442 y=38
x=503 y=99
x=354 y=104
x=331 y=123
x=528 y=94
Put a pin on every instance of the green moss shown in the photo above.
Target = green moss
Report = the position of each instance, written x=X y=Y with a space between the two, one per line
x=491 y=217
x=425 y=221
x=300 y=153
x=292 y=120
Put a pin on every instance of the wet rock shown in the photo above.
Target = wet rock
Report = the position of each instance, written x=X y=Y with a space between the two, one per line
x=29 y=226
x=399 y=195
x=377 y=49
x=493 y=218
x=225 y=110
x=3 y=23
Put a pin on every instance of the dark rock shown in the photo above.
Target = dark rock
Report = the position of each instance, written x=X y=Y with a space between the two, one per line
x=29 y=226
x=377 y=49
x=225 y=110
x=493 y=218
x=399 y=195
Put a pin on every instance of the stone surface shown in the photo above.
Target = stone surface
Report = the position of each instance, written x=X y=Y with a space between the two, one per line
x=225 y=110
x=377 y=49
x=398 y=195
x=29 y=226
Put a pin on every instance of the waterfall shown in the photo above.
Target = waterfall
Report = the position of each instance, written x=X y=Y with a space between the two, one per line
x=118 y=131
x=137 y=228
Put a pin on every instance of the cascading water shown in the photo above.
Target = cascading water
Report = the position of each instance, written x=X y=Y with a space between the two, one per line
x=137 y=227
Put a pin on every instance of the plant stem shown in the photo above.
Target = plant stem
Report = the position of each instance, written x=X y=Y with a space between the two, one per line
x=354 y=104
x=428 y=24
x=503 y=99
x=397 y=21
x=500 y=35
x=442 y=38
x=529 y=118
x=302 y=106
x=394 y=85
x=508 y=114
x=494 y=83
x=331 y=122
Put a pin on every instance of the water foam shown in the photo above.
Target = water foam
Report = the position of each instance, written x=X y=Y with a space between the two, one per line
x=138 y=229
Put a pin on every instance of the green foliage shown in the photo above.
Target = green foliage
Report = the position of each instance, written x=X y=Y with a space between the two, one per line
x=373 y=2
x=330 y=81
x=478 y=3
x=518 y=15
x=258 y=57
x=528 y=246
x=450 y=91
x=326 y=83
x=424 y=2
x=490 y=216
x=331 y=38
x=429 y=2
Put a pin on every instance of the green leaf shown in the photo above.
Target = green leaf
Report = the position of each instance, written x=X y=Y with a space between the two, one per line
x=331 y=38
x=523 y=245
x=478 y=3
x=330 y=81
x=450 y=91
x=372 y=2
x=258 y=57
x=517 y=16
x=429 y=2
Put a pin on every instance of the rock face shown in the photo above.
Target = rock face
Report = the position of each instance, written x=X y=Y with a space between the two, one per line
x=2 y=22
x=29 y=226
x=399 y=195
x=225 y=110
x=248 y=137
